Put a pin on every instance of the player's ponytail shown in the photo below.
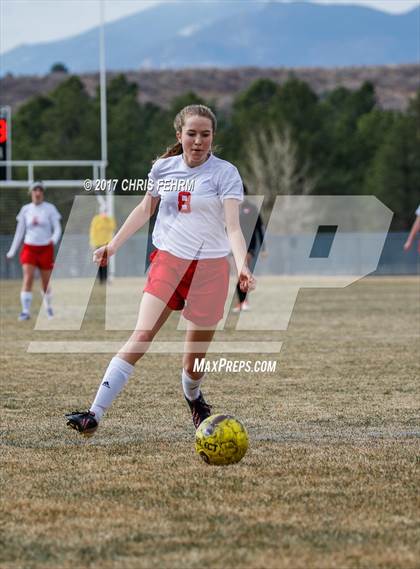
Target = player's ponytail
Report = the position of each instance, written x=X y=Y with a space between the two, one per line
x=179 y=122
x=173 y=150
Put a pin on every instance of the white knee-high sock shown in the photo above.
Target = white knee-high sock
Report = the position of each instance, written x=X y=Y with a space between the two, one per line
x=116 y=376
x=190 y=386
x=26 y=301
x=47 y=296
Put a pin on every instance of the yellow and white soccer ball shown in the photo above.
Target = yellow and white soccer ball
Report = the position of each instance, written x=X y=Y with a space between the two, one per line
x=221 y=439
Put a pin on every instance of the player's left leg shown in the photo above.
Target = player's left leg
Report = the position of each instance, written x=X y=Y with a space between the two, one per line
x=244 y=298
x=46 y=291
x=206 y=300
x=197 y=341
x=241 y=298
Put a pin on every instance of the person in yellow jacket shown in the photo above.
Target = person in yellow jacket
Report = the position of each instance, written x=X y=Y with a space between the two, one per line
x=102 y=229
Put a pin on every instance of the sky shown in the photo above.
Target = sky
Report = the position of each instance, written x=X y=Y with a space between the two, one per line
x=34 y=21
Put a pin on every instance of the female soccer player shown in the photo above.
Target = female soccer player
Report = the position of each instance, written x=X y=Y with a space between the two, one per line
x=196 y=227
x=253 y=230
x=39 y=227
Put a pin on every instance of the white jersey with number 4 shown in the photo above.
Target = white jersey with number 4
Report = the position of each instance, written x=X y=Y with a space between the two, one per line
x=190 y=223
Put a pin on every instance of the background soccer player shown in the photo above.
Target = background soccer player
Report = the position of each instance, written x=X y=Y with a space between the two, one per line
x=101 y=230
x=414 y=231
x=39 y=227
x=194 y=233
x=253 y=230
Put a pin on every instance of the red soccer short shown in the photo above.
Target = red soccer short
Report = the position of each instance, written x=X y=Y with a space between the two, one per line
x=41 y=256
x=198 y=287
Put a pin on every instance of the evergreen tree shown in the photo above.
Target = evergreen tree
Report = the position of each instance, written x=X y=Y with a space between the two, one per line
x=28 y=127
x=124 y=129
x=342 y=165
x=69 y=132
x=249 y=114
x=59 y=68
x=343 y=142
x=394 y=176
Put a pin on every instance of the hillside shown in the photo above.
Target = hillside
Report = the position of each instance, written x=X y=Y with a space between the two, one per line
x=395 y=85
x=232 y=34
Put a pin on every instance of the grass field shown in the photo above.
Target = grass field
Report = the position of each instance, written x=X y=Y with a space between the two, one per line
x=330 y=480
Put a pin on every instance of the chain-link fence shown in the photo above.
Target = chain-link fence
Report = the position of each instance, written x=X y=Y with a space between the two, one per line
x=130 y=261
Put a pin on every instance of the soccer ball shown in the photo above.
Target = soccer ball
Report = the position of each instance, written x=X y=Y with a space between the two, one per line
x=221 y=439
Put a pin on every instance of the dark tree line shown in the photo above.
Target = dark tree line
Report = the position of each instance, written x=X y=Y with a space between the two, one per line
x=347 y=143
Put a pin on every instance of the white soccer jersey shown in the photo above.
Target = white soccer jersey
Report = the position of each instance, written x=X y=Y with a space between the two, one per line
x=190 y=222
x=418 y=211
x=38 y=224
x=40 y=221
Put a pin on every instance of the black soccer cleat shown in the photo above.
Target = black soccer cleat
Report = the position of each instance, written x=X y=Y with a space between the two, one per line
x=200 y=410
x=82 y=421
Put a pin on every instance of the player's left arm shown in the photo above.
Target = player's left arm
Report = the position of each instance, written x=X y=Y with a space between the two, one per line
x=56 y=227
x=237 y=243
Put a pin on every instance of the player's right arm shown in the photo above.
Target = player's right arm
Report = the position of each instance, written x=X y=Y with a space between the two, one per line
x=19 y=235
x=137 y=218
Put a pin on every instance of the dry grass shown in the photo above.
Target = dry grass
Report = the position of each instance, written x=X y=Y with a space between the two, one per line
x=330 y=480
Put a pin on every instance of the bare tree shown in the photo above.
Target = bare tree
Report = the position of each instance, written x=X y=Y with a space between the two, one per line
x=272 y=168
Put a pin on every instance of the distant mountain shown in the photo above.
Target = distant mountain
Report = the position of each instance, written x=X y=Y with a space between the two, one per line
x=297 y=35
x=232 y=34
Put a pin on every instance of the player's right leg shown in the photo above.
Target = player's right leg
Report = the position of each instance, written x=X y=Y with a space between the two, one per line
x=153 y=314
x=46 y=291
x=241 y=299
x=26 y=292
x=197 y=342
x=103 y=273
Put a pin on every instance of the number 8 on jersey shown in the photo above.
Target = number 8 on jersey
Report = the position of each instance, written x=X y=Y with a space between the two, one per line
x=184 y=202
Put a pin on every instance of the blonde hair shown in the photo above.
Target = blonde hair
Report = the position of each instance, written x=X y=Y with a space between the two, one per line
x=180 y=120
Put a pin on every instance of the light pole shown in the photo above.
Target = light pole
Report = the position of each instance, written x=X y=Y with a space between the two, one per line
x=102 y=88
x=104 y=133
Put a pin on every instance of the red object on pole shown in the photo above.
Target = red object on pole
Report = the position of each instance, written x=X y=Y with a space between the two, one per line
x=3 y=131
